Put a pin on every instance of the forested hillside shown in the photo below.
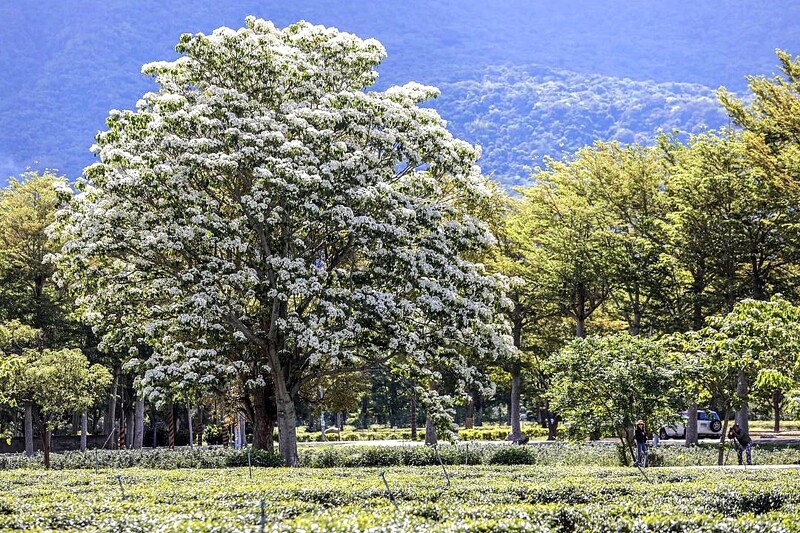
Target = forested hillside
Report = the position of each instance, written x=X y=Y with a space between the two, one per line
x=520 y=115
x=66 y=65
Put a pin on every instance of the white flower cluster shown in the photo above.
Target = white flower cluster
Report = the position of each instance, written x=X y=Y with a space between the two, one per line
x=261 y=210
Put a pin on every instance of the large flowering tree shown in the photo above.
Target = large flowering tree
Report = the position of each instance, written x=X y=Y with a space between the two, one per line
x=263 y=213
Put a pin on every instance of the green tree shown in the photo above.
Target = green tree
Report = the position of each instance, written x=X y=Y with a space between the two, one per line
x=760 y=340
x=626 y=184
x=771 y=127
x=27 y=208
x=571 y=235
x=604 y=384
x=535 y=307
x=59 y=383
x=262 y=194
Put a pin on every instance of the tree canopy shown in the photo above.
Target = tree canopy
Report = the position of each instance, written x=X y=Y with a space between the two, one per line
x=263 y=195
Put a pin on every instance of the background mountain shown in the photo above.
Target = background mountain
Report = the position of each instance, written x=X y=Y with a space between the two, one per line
x=523 y=78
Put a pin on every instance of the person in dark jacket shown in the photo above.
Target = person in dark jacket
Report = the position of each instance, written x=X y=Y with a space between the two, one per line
x=640 y=436
x=741 y=442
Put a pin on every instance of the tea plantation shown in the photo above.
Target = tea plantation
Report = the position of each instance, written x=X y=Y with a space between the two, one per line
x=421 y=498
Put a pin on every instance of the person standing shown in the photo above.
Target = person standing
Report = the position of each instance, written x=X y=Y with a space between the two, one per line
x=640 y=435
x=741 y=442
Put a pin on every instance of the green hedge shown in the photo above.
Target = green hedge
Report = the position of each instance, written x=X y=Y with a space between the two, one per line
x=487 y=433
x=472 y=453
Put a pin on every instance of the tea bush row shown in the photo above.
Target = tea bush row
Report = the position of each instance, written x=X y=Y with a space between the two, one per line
x=552 y=454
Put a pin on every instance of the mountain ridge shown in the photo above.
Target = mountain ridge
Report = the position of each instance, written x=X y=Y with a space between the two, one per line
x=67 y=66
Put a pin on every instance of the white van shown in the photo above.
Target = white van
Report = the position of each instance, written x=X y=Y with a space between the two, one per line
x=708 y=425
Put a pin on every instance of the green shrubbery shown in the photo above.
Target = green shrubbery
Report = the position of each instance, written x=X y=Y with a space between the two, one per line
x=476 y=498
x=479 y=433
x=550 y=454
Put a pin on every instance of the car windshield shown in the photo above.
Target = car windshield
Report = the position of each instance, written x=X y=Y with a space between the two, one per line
x=710 y=415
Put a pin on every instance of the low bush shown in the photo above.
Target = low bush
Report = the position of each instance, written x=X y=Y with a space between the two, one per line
x=405 y=498
x=344 y=456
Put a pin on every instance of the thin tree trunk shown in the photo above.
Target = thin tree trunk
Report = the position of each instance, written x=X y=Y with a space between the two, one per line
x=551 y=421
x=412 y=415
x=477 y=399
x=155 y=429
x=516 y=378
x=171 y=426
x=111 y=413
x=130 y=427
x=200 y=425
x=721 y=452
x=46 y=445
x=469 y=414
x=514 y=406
x=626 y=446
x=691 y=425
x=241 y=429
x=84 y=430
x=29 y=429
x=138 y=438
x=777 y=399
x=191 y=428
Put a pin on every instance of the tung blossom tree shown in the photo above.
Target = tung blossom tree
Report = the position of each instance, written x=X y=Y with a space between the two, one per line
x=264 y=198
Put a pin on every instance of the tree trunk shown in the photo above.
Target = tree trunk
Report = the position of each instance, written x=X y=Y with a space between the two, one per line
x=430 y=432
x=580 y=327
x=551 y=422
x=626 y=446
x=121 y=435
x=743 y=414
x=721 y=452
x=412 y=415
x=191 y=428
x=138 y=426
x=29 y=429
x=241 y=430
x=516 y=377
x=691 y=426
x=155 y=429
x=130 y=426
x=171 y=426
x=109 y=422
x=777 y=400
x=264 y=411
x=514 y=406
x=200 y=425
x=478 y=401
x=84 y=430
x=469 y=414
x=636 y=325
x=46 y=445
x=758 y=282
